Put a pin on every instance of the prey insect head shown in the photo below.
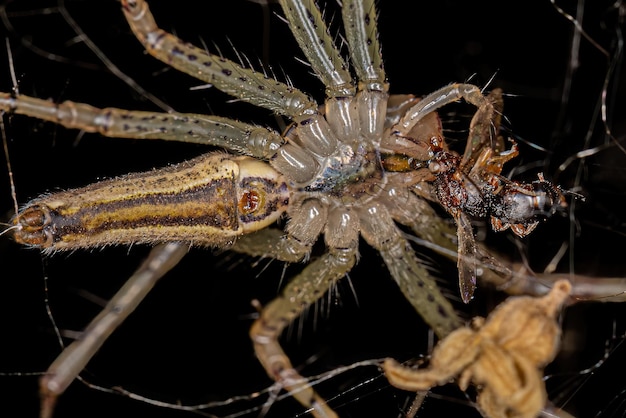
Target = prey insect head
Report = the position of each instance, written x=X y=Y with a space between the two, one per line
x=522 y=206
x=550 y=197
x=442 y=162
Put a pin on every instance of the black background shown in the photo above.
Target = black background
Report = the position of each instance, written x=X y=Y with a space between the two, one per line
x=188 y=341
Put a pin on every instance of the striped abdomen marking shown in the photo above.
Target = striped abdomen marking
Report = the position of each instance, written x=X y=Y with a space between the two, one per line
x=209 y=200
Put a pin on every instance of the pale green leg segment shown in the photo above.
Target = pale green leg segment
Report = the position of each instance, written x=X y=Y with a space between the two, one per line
x=318 y=46
x=418 y=286
x=359 y=19
x=442 y=97
x=229 y=77
x=236 y=136
x=341 y=234
x=305 y=289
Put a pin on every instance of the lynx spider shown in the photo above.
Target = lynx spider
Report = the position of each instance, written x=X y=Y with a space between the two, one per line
x=297 y=169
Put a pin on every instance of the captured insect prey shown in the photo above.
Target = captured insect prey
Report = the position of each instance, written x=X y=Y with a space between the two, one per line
x=471 y=186
x=281 y=186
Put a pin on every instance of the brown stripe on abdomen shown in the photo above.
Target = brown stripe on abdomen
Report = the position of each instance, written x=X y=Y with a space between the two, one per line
x=210 y=205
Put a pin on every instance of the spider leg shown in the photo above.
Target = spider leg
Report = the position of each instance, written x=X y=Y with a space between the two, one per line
x=311 y=33
x=267 y=243
x=359 y=19
x=442 y=97
x=417 y=214
x=75 y=357
x=229 y=77
x=341 y=235
x=414 y=280
x=306 y=223
x=236 y=136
